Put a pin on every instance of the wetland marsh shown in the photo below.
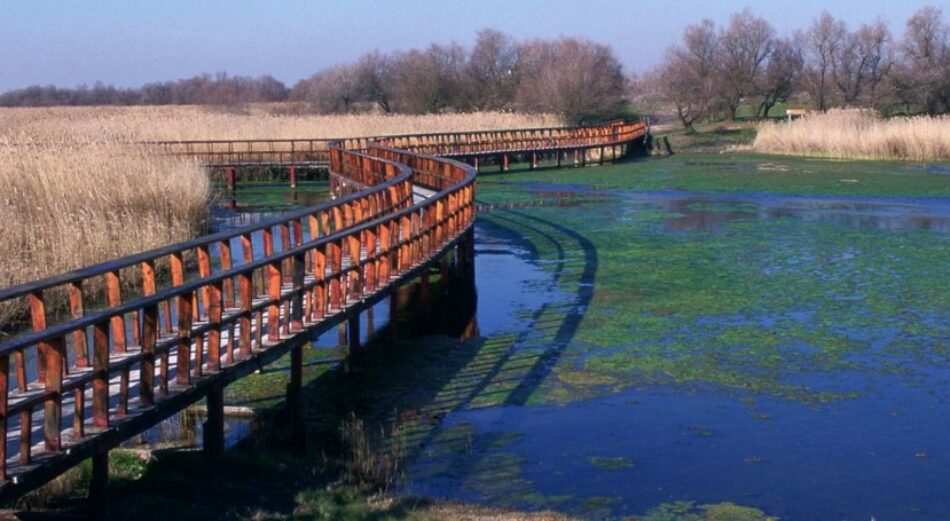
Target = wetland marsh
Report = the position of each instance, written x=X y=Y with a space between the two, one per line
x=694 y=337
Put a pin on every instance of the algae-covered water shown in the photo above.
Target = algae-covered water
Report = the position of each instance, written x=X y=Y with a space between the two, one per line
x=685 y=335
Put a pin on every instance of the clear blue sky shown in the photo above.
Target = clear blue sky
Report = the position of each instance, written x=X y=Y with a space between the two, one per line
x=130 y=42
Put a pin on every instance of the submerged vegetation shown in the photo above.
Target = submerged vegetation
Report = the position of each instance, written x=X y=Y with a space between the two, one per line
x=698 y=289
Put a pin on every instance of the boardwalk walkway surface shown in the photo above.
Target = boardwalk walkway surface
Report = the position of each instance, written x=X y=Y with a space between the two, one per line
x=144 y=336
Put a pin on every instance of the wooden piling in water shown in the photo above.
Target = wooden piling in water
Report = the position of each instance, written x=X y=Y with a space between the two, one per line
x=213 y=428
x=98 y=501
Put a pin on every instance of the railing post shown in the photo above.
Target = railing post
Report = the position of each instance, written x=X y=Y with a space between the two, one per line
x=247 y=297
x=149 y=337
x=296 y=302
x=4 y=400
x=214 y=318
x=100 y=380
x=79 y=336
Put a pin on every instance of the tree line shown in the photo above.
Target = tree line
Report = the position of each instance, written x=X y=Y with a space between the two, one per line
x=708 y=75
x=715 y=69
x=205 y=89
x=577 y=78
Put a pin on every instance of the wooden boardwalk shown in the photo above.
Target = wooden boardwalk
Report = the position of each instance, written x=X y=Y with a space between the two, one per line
x=147 y=335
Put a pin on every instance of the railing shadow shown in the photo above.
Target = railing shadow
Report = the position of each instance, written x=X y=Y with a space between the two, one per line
x=402 y=390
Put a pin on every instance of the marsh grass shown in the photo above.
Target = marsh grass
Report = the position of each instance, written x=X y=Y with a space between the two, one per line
x=68 y=202
x=263 y=121
x=858 y=134
x=75 y=189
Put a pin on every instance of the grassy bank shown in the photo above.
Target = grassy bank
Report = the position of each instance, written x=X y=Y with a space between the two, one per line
x=858 y=134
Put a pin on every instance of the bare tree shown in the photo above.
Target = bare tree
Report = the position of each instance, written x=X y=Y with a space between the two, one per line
x=331 y=90
x=675 y=83
x=860 y=62
x=922 y=78
x=579 y=79
x=373 y=76
x=430 y=81
x=493 y=67
x=782 y=74
x=745 y=46
x=688 y=77
x=822 y=39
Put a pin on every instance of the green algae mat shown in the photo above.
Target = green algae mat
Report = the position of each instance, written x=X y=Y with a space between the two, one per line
x=672 y=338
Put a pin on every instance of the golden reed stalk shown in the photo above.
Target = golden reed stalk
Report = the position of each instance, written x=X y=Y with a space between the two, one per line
x=858 y=134
x=75 y=189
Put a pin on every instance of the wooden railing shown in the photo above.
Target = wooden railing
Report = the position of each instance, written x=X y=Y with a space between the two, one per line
x=251 y=152
x=468 y=144
x=177 y=323
x=308 y=151
x=174 y=328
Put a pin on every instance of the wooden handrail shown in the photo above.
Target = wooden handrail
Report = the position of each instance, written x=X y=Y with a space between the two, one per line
x=213 y=306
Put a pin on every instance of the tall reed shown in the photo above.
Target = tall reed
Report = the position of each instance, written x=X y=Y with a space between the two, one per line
x=173 y=123
x=858 y=134
x=75 y=189
x=65 y=204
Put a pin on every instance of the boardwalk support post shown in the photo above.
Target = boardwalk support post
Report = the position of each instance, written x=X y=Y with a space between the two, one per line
x=293 y=176
x=424 y=300
x=213 y=428
x=353 y=341
x=295 y=395
x=394 y=315
x=99 y=486
x=232 y=178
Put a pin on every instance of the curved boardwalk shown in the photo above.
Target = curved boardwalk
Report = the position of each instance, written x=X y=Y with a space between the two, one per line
x=149 y=334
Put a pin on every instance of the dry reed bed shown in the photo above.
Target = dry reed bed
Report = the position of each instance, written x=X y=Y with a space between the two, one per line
x=858 y=134
x=75 y=190
x=193 y=123
x=65 y=205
